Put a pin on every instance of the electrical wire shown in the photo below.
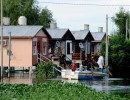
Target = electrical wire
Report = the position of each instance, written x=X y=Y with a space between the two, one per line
x=81 y=4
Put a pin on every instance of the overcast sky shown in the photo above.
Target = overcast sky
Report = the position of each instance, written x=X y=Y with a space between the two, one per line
x=73 y=14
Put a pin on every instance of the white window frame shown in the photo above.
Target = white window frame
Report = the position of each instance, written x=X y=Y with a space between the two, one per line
x=44 y=47
x=35 y=48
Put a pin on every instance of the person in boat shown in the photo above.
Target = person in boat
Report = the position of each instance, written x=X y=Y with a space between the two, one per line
x=100 y=61
x=73 y=67
x=88 y=65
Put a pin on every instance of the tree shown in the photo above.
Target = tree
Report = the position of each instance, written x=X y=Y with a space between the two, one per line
x=45 y=17
x=118 y=52
x=120 y=20
x=28 y=8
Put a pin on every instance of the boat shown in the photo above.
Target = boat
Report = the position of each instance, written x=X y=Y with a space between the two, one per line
x=82 y=75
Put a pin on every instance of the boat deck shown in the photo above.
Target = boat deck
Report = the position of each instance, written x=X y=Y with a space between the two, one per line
x=82 y=75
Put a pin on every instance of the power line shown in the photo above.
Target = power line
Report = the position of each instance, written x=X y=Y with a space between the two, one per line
x=81 y=4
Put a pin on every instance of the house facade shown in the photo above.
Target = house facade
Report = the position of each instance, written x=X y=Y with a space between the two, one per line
x=61 y=42
x=26 y=43
x=82 y=44
x=99 y=37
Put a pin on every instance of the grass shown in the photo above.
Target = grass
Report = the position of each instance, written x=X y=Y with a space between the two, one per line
x=53 y=90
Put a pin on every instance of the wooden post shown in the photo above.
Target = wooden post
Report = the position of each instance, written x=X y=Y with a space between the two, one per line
x=81 y=56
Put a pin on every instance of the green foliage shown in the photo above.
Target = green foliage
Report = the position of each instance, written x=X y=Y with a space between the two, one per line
x=120 y=20
x=53 y=90
x=119 y=54
x=103 y=48
x=28 y=8
x=44 y=71
x=96 y=56
x=45 y=17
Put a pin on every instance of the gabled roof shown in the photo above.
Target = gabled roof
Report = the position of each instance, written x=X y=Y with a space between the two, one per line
x=98 y=36
x=21 y=31
x=57 y=33
x=80 y=35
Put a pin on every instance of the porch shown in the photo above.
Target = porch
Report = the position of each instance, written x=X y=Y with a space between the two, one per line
x=79 y=56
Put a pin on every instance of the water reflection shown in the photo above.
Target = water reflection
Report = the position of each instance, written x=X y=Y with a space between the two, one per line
x=116 y=86
x=19 y=78
x=109 y=85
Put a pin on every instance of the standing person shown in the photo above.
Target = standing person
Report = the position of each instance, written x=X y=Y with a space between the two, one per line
x=73 y=66
x=88 y=65
x=100 y=61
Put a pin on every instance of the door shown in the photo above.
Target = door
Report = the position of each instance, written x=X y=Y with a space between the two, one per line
x=68 y=50
x=38 y=50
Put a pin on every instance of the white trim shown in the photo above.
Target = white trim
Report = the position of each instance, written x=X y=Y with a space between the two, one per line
x=44 y=53
x=34 y=48
x=70 y=52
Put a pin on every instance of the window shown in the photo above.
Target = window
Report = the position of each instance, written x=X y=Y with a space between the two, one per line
x=5 y=42
x=68 y=48
x=88 y=48
x=34 y=47
x=44 y=48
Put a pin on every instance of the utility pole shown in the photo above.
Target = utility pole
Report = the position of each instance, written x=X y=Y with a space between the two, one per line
x=9 y=53
x=1 y=40
x=106 y=54
x=126 y=28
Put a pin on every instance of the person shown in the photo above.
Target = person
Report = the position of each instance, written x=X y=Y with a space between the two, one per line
x=100 y=61
x=88 y=65
x=73 y=67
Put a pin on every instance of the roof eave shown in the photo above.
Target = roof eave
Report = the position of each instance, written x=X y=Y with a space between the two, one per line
x=18 y=37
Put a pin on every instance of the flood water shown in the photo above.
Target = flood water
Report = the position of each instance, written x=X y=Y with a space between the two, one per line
x=109 y=85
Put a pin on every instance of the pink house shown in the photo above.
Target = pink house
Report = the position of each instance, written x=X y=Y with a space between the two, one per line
x=26 y=43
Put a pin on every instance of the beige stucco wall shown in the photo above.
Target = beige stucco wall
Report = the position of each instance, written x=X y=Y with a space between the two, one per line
x=21 y=53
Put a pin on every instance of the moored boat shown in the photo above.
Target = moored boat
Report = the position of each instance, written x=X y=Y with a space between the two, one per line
x=82 y=75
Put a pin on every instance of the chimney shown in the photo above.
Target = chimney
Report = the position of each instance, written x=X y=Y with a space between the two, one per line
x=86 y=26
x=53 y=25
x=22 y=20
x=100 y=29
x=6 y=21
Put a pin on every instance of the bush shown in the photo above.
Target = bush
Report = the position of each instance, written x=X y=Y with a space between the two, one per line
x=44 y=71
x=53 y=90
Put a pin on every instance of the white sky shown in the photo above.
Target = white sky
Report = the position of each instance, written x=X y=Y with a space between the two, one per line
x=75 y=16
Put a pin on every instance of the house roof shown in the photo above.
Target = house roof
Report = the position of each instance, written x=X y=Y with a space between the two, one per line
x=57 y=33
x=98 y=36
x=21 y=31
x=80 y=35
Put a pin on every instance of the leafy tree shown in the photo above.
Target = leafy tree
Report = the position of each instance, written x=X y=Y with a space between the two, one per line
x=28 y=8
x=120 y=20
x=45 y=17
x=119 y=48
x=116 y=52
x=103 y=47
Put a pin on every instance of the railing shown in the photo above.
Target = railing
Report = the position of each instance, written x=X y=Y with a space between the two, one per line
x=42 y=58
x=57 y=69
x=95 y=53
x=60 y=67
x=68 y=58
x=76 y=56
